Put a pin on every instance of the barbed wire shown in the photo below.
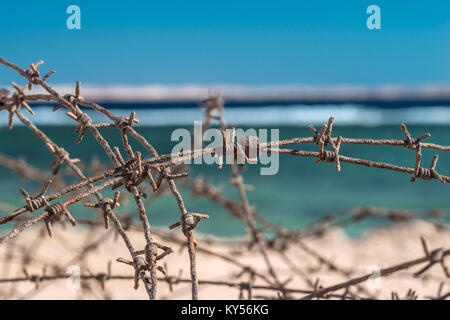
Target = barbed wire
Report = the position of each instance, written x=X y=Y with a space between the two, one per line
x=130 y=174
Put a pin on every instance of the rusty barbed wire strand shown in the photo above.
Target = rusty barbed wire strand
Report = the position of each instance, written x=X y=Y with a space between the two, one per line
x=431 y=257
x=86 y=123
x=216 y=103
x=131 y=173
x=59 y=153
x=436 y=256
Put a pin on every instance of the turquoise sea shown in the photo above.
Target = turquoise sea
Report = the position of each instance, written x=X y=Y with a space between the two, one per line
x=302 y=192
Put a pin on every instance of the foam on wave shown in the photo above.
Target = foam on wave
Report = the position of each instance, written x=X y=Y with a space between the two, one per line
x=298 y=115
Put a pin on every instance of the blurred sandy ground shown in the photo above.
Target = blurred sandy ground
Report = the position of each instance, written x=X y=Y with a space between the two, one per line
x=383 y=248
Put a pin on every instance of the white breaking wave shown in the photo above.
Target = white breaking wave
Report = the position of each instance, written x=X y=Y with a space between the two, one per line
x=197 y=92
x=299 y=115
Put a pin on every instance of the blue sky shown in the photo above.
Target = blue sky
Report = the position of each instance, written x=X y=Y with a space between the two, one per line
x=231 y=42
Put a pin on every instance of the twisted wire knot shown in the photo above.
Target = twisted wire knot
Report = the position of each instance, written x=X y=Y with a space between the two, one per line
x=323 y=138
x=140 y=263
x=188 y=219
x=55 y=209
x=33 y=203
x=84 y=119
x=122 y=123
x=328 y=156
x=33 y=74
x=62 y=154
x=188 y=223
x=102 y=278
x=70 y=97
x=36 y=203
x=150 y=250
x=243 y=149
x=425 y=174
x=36 y=279
x=13 y=104
x=125 y=123
x=411 y=142
x=61 y=157
x=106 y=204
x=103 y=203
x=250 y=146
x=133 y=172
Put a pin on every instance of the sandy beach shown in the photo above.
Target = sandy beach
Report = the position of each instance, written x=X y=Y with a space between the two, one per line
x=383 y=248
